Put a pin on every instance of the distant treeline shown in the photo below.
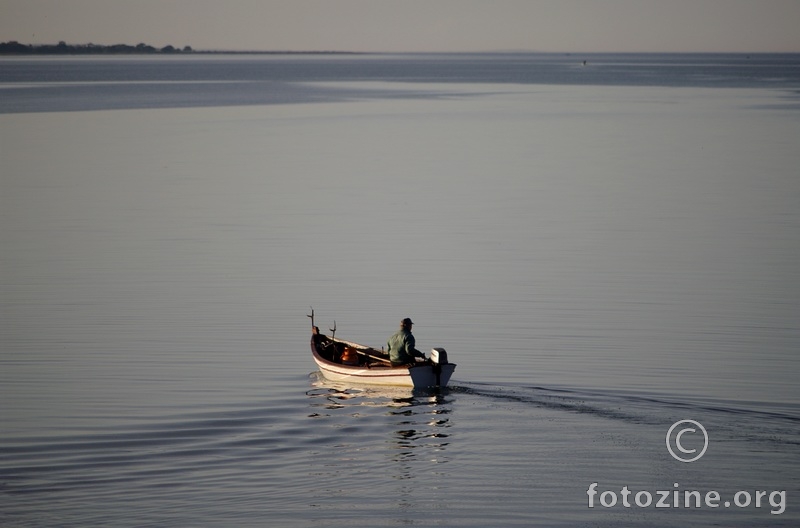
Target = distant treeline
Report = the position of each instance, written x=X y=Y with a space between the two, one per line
x=62 y=48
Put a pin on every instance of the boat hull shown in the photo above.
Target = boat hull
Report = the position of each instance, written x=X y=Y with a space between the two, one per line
x=417 y=376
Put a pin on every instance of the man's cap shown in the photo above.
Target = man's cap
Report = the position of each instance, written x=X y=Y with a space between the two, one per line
x=406 y=322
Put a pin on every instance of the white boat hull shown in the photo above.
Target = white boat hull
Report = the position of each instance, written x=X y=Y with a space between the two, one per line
x=418 y=376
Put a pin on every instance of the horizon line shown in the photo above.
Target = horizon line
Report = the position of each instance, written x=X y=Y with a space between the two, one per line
x=63 y=48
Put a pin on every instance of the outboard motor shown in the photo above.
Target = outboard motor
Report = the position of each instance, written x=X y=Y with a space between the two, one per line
x=438 y=356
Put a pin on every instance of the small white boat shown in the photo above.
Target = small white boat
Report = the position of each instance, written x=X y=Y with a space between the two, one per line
x=344 y=361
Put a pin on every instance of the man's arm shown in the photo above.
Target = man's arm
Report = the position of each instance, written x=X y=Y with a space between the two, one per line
x=411 y=347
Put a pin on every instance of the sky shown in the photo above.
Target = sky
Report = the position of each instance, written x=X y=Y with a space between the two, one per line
x=412 y=25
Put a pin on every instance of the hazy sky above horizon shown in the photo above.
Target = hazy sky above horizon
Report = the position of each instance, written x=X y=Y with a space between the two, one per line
x=412 y=25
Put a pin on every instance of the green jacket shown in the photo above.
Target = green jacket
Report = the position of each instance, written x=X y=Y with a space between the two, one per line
x=401 y=347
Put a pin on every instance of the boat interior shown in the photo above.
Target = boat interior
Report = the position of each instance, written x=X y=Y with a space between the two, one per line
x=350 y=354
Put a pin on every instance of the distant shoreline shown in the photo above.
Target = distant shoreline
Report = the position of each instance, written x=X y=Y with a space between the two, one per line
x=62 y=48
x=14 y=48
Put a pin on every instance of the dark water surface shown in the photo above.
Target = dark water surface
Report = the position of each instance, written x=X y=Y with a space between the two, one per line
x=604 y=249
x=89 y=83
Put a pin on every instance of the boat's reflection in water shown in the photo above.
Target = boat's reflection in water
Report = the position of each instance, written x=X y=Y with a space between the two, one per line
x=404 y=432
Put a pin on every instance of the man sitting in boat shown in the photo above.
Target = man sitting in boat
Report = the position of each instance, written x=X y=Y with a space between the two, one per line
x=401 y=345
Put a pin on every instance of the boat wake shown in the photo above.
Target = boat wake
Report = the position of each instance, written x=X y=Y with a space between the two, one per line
x=757 y=421
x=628 y=406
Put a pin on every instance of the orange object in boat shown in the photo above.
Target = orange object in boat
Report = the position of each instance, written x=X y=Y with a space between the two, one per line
x=350 y=356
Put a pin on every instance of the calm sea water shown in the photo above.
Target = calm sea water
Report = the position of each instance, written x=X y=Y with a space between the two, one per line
x=604 y=249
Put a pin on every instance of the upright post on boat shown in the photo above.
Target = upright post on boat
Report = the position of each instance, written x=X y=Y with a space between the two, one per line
x=314 y=329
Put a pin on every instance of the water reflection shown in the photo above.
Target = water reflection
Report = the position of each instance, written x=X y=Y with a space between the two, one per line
x=420 y=425
x=401 y=435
